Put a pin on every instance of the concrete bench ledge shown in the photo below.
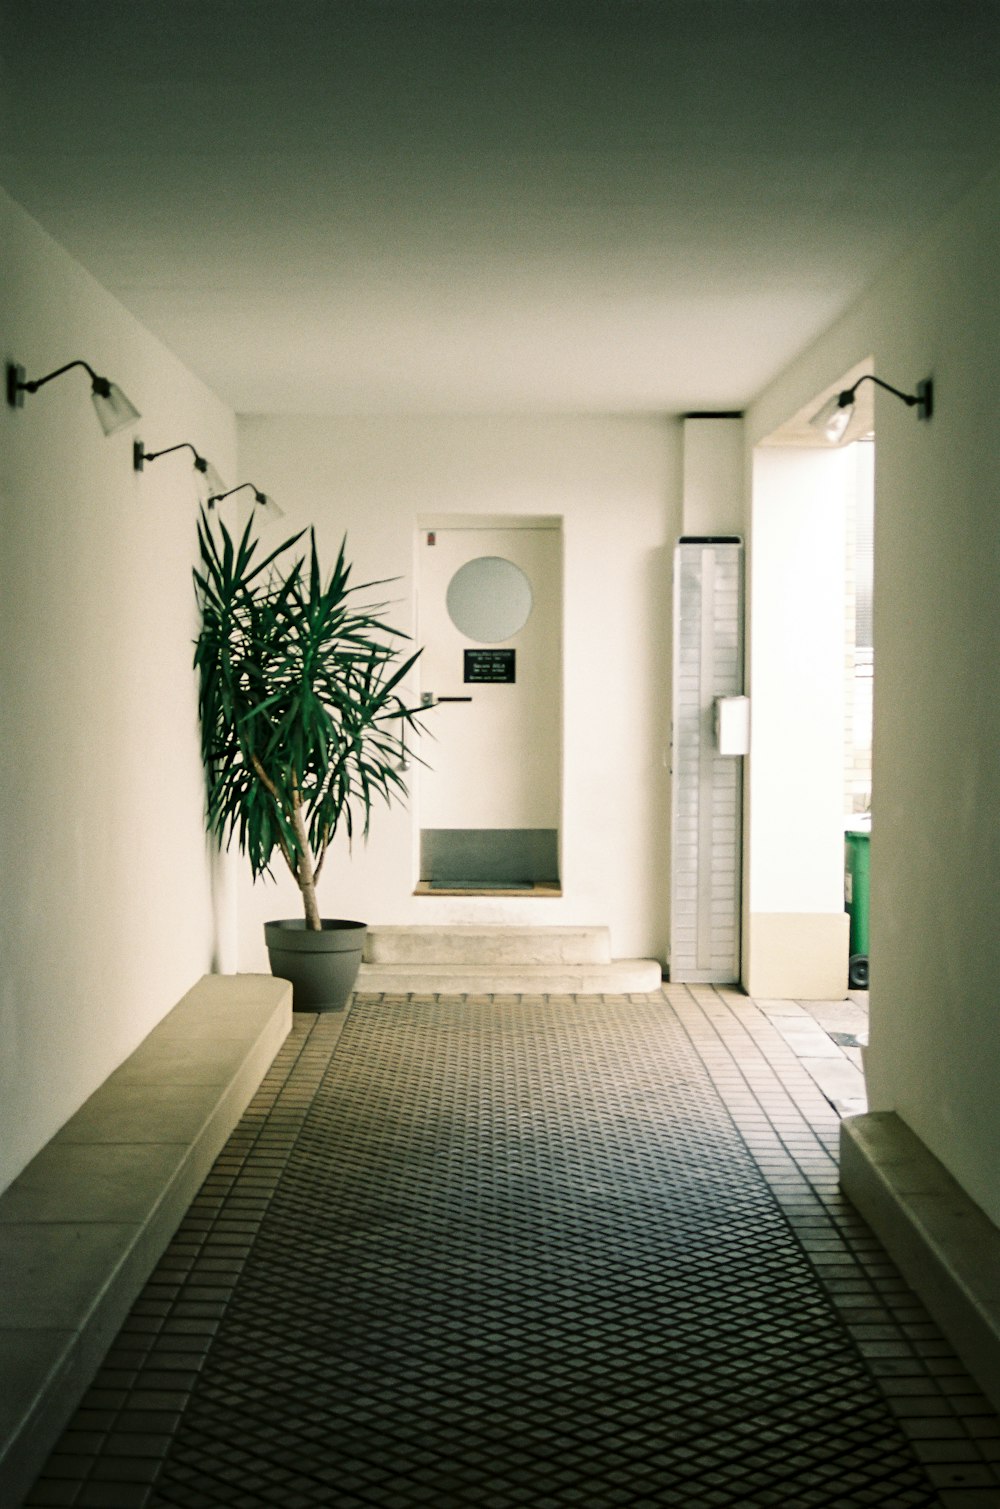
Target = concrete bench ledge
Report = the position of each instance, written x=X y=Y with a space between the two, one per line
x=944 y=1245
x=83 y=1226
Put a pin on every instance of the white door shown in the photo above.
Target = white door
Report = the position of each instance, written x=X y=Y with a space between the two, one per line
x=490 y=623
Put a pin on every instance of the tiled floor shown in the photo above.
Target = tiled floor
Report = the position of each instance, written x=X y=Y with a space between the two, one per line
x=508 y=1252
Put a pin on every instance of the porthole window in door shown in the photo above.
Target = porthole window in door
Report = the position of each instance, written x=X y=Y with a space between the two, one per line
x=489 y=599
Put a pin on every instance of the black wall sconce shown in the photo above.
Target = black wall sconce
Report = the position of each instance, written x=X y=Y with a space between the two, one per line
x=113 y=409
x=265 y=501
x=835 y=415
x=207 y=478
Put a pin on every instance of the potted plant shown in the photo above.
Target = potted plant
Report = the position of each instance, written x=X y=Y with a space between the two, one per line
x=302 y=729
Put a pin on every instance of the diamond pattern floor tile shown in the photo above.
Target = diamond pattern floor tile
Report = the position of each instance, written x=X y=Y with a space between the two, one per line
x=517 y=1255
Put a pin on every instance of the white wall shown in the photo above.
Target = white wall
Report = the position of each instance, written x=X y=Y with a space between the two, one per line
x=797 y=676
x=714 y=495
x=935 y=940
x=616 y=483
x=105 y=890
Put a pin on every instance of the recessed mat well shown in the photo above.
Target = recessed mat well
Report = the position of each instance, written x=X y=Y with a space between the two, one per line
x=520 y=1256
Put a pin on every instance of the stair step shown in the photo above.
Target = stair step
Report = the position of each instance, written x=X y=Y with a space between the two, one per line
x=615 y=977
x=488 y=944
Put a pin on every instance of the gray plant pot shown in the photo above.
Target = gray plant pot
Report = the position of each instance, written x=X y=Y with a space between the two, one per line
x=322 y=967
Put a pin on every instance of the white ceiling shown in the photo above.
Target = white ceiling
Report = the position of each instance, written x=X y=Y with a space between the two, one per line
x=455 y=205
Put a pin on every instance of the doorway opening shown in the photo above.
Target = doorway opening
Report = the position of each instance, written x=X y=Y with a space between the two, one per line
x=811 y=672
x=859 y=700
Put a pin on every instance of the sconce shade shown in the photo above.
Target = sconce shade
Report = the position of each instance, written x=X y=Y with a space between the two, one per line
x=834 y=417
x=114 y=410
x=208 y=480
x=273 y=511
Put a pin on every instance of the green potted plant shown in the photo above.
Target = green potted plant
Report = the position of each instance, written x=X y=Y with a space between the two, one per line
x=302 y=729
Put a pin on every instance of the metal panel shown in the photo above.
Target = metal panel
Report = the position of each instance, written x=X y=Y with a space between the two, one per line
x=707 y=788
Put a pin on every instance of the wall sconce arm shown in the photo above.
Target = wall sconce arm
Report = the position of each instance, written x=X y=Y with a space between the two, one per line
x=266 y=502
x=922 y=399
x=114 y=410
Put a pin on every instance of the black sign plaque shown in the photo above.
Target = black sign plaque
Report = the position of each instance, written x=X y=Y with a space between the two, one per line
x=489 y=665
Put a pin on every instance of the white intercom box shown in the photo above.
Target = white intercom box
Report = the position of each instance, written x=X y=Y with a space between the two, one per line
x=732 y=725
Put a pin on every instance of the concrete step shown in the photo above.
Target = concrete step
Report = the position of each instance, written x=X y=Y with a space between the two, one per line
x=616 y=977
x=488 y=944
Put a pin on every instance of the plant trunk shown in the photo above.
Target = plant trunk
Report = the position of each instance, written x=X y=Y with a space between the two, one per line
x=304 y=871
x=308 y=890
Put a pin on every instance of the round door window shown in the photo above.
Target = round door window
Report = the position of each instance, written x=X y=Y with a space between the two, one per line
x=489 y=599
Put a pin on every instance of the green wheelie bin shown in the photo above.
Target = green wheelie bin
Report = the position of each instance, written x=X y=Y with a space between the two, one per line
x=857 y=844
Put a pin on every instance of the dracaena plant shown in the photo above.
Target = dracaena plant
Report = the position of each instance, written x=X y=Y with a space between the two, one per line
x=302 y=721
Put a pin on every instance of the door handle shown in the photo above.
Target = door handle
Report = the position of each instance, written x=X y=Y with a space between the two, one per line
x=449 y=699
